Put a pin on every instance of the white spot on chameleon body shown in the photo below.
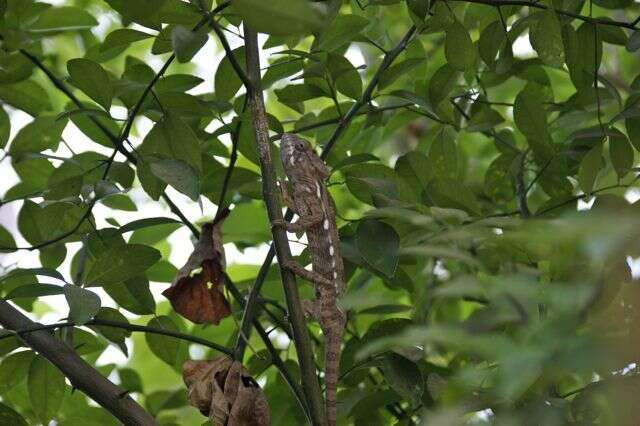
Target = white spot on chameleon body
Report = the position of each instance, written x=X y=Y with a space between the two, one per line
x=333 y=263
x=335 y=276
x=292 y=160
x=331 y=250
x=318 y=190
x=325 y=224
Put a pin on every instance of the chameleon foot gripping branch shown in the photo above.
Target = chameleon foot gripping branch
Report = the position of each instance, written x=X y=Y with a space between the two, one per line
x=311 y=201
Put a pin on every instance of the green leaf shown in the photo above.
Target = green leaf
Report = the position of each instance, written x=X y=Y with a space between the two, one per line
x=621 y=153
x=226 y=81
x=172 y=138
x=13 y=371
x=632 y=123
x=546 y=38
x=123 y=37
x=27 y=96
x=346 y=77
x=120 y=263
x=119 y=202
x=449 y=193
x=83 y=304
x=52 y=273
x=133 y=295
x=298 y=93
x=279 y=17
x=414 y=168
x=248 y=224
x=485 y=118
x=367 y=181
x=179 y=175
x=343 y=29
x=130 y=380
x=404 y=377
x=40 y=224
x=531 y=118
x=42 y=133
x=34 y=290
x=498 y=179
x=9 y=416
x=634 y=42
x=589 y=168
x=162 y=272
x=378 y=243
x=168 y=349
x=113 y=334
x=395 y=71
x=5 y=128
x=492 y=38
x=419 y=9
x=67 y=18
x=149 y=222
x=187 y=43
x=6 y=239
x=46 y=389
x=441 y=84
x=458 y=47
x=92 y=79
x=53 y=255
x=442 y=159
x=582 y=54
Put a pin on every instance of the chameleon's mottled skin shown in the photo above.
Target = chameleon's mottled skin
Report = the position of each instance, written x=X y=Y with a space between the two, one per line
x=310 y=200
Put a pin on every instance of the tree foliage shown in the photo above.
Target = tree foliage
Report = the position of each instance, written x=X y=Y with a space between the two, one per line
x=482 y=157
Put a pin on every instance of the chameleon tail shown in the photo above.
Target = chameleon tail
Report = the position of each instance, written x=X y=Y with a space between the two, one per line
x=332 y=365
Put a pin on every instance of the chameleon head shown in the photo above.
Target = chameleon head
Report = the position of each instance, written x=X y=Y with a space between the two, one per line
x=294 y=150
x=299 y=159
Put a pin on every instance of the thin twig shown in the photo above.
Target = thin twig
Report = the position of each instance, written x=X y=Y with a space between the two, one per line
x=540 y=5
x=123 y=326
x=387 y=60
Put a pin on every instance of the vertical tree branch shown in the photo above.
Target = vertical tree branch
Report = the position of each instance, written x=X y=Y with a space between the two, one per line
x=301 y=337
x=82 y=375
x=521 y=189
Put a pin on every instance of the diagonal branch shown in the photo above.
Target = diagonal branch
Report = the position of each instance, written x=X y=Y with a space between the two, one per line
x=81 y=375
x=387 y=60
x=541 y=5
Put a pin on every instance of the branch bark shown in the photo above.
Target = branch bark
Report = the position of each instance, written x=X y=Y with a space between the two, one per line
x=540 y=5
x=301 y=337
x=82 y=375
x=388 y=59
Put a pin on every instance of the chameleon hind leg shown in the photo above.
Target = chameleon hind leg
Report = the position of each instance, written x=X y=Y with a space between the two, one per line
x=311 y=276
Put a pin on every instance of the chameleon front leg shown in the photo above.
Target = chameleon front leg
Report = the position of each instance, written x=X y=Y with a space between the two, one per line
x=311 y=276
x=300 y=225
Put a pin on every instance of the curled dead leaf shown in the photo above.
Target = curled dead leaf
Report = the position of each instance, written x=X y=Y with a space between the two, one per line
x=223 y=390
x=199 y=297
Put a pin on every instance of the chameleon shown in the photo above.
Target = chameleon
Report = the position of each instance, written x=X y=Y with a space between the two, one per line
x=310 y=200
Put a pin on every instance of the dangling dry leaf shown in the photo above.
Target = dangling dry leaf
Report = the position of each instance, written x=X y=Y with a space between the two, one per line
x=225 y=392
x=199 y=297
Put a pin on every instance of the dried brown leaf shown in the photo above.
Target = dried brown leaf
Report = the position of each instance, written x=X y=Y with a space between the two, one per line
x=223 y=390
x=199 y=297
